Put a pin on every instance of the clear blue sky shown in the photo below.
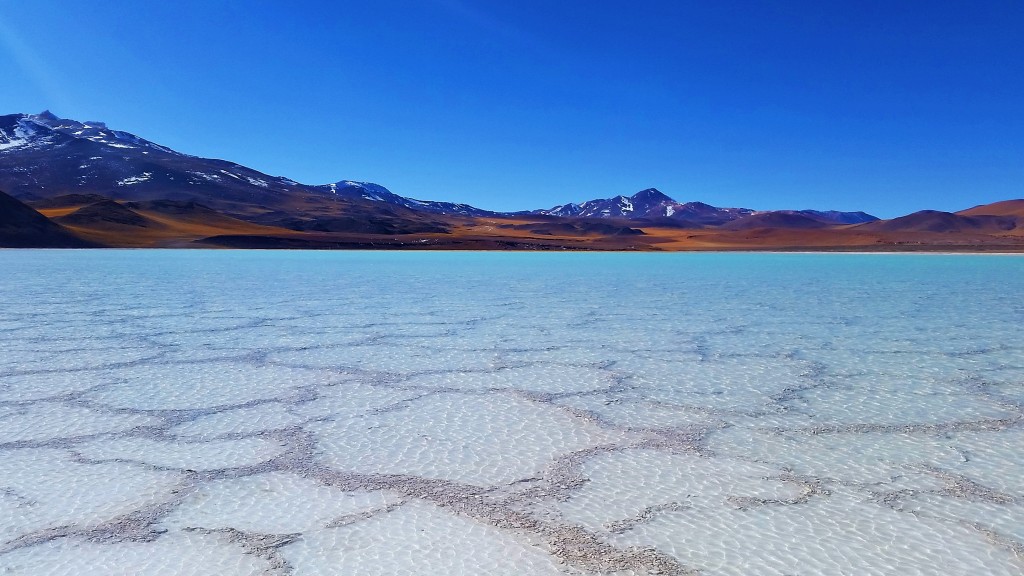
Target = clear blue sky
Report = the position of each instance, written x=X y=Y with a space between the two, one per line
x=884 y=106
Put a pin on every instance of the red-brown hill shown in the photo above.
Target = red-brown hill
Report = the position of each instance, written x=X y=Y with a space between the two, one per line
x=23 y=227
x=1004 y=208
x=106 y=213
x=936 y=221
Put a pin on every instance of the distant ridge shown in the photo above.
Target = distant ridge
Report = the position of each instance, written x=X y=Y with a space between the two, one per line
x=23 y=227
x=43 y=156
x=106 y=212
x=72 y=183
x=777 y=220
x=833 y=216
x=653 y=205
x=1003 y=208
x=936 y=221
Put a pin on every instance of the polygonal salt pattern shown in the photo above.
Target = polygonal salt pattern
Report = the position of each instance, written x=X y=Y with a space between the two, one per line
x=728 y=385
x=630 y=411
x=999 y=516
x=274 y=503
x=249 y=420
x=871 y=400
x=41 y=421
x=624 y=486
x=208 y=385
x=44 y=385
x=171 y=554
x=111 y=356
x=353 y=399
x=838 y=535
x=866 y=458
x=1005 y=383
x=206 y=455
x=47 y=489
x=400 y=358
x=478 y=440
x=417 y=538
x=992 y=459
x=544 y=379
x=235 y=412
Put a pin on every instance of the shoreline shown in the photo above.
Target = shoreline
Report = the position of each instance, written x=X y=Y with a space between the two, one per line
x=937 y=251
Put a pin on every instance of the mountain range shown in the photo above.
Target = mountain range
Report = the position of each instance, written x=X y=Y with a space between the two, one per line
x=68 y=183
x=654 y=207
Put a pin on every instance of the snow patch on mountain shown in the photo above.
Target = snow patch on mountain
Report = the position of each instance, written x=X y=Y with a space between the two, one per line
x=131 y=180
x=24 y=134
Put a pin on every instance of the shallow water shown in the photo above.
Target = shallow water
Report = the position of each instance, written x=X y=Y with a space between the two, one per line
x=199 y=412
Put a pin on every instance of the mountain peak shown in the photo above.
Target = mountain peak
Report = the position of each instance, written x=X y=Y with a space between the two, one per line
x=47 y=115
x=366 y=190
x=651 y=195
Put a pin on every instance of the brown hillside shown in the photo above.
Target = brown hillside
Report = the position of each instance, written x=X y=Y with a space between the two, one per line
x=104 y=214
x=935 y=221
x=1004 y=208
x=23 y=227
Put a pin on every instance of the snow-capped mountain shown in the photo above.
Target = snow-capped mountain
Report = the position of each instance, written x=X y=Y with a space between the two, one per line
x=652 y=204
x=43 y=156
x=638 y=205
x=648 y=204
x=38 y=130
x=378 y=193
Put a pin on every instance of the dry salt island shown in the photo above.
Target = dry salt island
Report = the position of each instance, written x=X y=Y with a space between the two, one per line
x=310 y=413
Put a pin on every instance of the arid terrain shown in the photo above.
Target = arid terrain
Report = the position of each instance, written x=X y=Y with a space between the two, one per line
x=67 y=183
x=91 y=220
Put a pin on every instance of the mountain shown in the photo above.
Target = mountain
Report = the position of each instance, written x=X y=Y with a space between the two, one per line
x=77 y=183
x=643 y=204
x=777 y=220
x=105 y=213
x=936 y=221
x=1004 y=208
x=647 y=204
x=377 y=193
x=67 y=201
x=833 y=216
x=145 y=224
x=43 y=156
x=23 y=227
x=653 y=205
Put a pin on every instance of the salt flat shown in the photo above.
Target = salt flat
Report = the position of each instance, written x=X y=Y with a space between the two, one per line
x=201 y=412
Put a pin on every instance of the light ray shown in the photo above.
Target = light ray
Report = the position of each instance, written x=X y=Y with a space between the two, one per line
x=34 y=68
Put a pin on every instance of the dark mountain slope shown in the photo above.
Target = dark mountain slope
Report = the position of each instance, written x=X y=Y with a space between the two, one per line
x=105 y=213
x=776 y=220
x=43 y=156
x=23 y=227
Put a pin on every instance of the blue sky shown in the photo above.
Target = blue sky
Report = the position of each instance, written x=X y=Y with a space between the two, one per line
x=888 y=107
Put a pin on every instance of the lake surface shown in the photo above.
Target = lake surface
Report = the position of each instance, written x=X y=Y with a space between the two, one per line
x=230 y=413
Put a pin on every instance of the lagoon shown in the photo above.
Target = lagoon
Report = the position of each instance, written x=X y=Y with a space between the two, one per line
x=250 y=412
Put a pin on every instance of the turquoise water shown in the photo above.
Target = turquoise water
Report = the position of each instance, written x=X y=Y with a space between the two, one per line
x=244 y=412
